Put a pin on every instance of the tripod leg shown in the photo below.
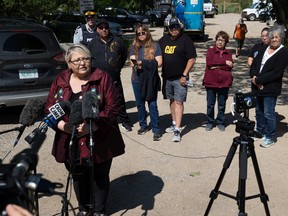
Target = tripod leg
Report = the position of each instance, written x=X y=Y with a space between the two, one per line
x=241 y=194
x=263 y=196
x=214 y=193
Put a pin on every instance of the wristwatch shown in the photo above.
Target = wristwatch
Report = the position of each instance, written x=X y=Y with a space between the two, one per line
x=183 y=75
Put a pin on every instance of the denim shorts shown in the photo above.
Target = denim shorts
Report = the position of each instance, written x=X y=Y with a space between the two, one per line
x=175 y=91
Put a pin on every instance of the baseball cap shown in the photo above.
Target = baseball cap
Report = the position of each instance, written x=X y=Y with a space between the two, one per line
x=102 y=21
x=174 y=21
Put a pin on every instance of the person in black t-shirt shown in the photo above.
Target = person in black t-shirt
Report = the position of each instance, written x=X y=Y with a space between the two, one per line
x=255 y=49
x=179 y=56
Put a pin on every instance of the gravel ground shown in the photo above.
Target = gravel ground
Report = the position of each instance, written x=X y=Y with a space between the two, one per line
x=166 y=178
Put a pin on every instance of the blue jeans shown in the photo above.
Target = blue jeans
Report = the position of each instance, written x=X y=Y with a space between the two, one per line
x=142 y=114
x=265 y=116
x=221 y=94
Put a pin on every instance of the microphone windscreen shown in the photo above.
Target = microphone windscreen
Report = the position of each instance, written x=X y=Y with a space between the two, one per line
x=66 y=106
x=76 y=113
x=33 y=109
x=90 y=106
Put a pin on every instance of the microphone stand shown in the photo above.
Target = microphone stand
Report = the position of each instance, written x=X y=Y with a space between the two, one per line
x=64 y=210
x=91 y=145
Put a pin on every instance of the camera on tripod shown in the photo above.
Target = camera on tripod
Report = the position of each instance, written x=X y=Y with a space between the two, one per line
x=244 y=101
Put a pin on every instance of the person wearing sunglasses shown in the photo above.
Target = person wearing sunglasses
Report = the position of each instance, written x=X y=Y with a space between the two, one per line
x=146 y=57
x=109 y=53
x=84 y=33
x=179 y=56
x=71 y=85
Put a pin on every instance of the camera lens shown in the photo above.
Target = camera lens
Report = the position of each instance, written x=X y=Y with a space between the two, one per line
x=248 y=101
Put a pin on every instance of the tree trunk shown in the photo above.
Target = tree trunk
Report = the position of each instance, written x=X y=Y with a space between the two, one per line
x=280 y=8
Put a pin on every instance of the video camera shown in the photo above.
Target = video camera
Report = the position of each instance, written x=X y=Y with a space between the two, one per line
x=244 y=101
x=18 y=185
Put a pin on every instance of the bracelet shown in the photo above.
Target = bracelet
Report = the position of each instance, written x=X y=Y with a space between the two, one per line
x=184 y=76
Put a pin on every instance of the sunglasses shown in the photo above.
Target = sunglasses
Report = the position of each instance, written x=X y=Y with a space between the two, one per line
x=176 y=26
x=103 y=27
x=141 y=33
x=91 y=13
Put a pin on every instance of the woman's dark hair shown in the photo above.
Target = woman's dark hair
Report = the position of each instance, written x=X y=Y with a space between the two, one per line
x=224 y=35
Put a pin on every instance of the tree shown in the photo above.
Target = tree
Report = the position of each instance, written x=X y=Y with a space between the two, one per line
x=280 y=8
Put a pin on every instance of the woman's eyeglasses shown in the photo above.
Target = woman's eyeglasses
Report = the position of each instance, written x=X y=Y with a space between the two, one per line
x=141 y=33
x=103 y=27
x=78 y=61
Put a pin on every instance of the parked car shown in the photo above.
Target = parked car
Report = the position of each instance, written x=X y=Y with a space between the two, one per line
x=65 y=24
x=210 y=10
x=126 y=19
x=30 y=59
x=267 y=15
x=154 y=16
x=158 y=15
x=165 y=9
x=253 y=13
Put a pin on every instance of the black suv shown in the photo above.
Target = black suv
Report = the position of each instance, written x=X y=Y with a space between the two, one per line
x=30 y=59
x=125 y=18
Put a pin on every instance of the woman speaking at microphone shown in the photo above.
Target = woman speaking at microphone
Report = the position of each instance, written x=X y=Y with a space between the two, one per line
x=71 y=85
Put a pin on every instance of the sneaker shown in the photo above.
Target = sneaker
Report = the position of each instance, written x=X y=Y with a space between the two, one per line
x=142 y=131
x=156 y=137
x=221 y=127
x=209 y=127
x=170 y=129
x=267 y=143
x=176 y=137
x=126 y=126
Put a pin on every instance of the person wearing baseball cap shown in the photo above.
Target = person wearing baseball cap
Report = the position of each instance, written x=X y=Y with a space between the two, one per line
x=179 y=56
x=84 y=33
x=174 y=21
x=109 y=53
x=102 y=22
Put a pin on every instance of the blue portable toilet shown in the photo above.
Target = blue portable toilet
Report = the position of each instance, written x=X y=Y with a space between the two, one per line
x=190 y=13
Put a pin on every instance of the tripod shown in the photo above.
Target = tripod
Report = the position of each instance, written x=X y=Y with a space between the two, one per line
x=245 y=128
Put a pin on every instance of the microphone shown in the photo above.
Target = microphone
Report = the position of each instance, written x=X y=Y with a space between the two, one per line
x=90 y=112
x=76 y=113
x=29 y=114
x=75 y=117
x=31 y=111
x=90 y=106
x=56 y=112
